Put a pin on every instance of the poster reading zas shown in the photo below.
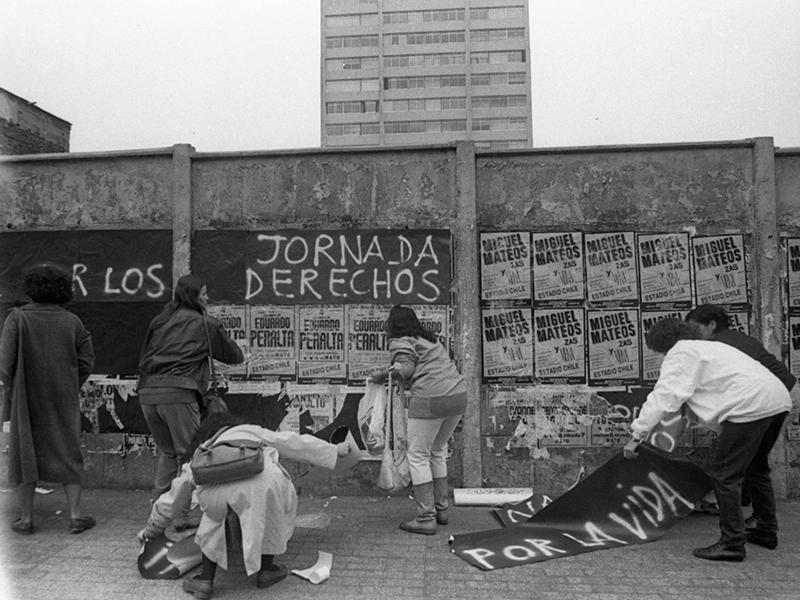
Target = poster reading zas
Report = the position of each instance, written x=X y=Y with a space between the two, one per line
x=558 y=268
x=613 y=346
x=507 y=344
x=664 y=274
x=793 y=273
x=611 y=269
x=273 y=331
x=651 y=361
x=560 y=345
x=506 y=267
x=321 y=354
x=367 y=346
x=234 y=321
x=719 y=270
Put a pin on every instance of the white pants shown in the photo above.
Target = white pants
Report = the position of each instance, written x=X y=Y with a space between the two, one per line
x=427 y=447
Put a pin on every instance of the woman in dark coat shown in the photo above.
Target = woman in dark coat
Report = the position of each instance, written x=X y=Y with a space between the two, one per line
x=45 y=356
x=174 y=372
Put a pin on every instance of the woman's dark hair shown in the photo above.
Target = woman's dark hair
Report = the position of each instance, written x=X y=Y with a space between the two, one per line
x=48 y=283
x=705 y=313
x=187 y=292
x=208 y=427
x=663 y=335
x=403 y=321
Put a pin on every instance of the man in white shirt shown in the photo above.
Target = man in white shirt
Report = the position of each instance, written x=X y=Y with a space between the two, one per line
x=739 y=398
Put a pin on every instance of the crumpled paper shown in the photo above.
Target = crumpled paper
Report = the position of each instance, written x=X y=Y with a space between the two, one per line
x=321 y=570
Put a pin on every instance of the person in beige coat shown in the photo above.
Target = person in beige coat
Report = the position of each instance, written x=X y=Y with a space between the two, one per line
x=266 y=504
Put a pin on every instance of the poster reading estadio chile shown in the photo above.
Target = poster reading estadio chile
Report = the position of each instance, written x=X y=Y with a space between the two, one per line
x=367 y=345
x=507 y=345
x=506 y=267
x=321 y=331
x=558 y=268
x=559 y=345
x=233 y=319
x=664 y=273
x=272 y=335
x=793 y=273
x=613 y=337
x=611 y=268
x=651 y=361
x=719 y=269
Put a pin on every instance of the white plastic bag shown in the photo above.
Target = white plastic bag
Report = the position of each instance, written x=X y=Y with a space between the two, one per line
x=395 y=475
x=372 y=417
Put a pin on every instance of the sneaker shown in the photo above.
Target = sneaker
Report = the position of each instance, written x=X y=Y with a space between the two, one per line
x=81 y=524
x=22 y=527
x=720 y=551
x=201 y=588
x=271 y=576
x=767 y=539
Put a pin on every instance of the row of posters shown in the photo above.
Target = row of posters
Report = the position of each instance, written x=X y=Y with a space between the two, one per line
x=331 y=343
x=575 y=345
x=622 y=268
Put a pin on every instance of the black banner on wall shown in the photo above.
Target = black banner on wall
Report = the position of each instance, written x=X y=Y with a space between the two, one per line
x=122 y=279
x=623 y=502
x=325 y=267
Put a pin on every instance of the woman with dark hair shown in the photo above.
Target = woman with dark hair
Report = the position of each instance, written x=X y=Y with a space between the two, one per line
x=174 y=372
x=45 y=356
x=735 y=395
x=438 y=401
x=265 y=504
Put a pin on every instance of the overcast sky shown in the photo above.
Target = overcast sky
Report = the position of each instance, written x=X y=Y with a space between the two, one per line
x=245 y=75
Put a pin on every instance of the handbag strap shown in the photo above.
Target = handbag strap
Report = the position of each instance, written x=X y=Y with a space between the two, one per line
x=210 y=442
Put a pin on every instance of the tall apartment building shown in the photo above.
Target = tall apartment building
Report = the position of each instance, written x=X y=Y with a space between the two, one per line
x=426 y=72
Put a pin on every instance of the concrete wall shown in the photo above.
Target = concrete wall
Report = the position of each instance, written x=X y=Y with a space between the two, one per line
x=743 y=187
x=27 y=129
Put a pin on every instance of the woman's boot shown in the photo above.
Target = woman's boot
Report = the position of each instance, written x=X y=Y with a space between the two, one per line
x=441 y=499
x=425 y=521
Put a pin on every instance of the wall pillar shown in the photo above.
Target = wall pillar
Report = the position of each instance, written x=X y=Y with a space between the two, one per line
x=181 y=210
x=467 y=308
x=767 y=265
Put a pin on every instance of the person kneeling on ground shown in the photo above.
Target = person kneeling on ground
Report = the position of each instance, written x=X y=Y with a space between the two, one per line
x=741 y=399
x=265 y=504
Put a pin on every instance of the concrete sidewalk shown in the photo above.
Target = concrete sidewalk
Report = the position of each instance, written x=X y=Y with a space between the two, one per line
x=372 y=558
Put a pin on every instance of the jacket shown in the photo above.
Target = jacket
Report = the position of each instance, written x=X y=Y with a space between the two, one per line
x=753 y=348
x=176 y=354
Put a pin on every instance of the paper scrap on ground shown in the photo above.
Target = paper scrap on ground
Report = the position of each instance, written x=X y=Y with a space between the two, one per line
x=490 y=496
x=321 y=570
x=313 y=520
x=41 y=490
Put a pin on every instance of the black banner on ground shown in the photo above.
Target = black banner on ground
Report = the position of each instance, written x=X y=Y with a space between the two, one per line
x=623 y=502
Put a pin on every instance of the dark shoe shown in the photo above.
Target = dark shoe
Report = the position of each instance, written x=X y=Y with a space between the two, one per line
x=710 y=508
x=271 y=576
x=201 y=588
x=81 y=524
x=416 y=526
x=751 y=522
x=720 y=551
x=766 y=539
x=22 y=527
x=441 y=517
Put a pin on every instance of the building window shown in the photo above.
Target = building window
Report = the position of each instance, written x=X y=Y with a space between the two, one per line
x=352 y=41
x=499 y=101
x=363 y=106
x=497 y=13
x=429 y=81
x=423 y=16
x=351 y=64
x=353 y=129
x=430 y=37
x=351 y=85
x=492 y=35
x=433 y=126
x=479 y=58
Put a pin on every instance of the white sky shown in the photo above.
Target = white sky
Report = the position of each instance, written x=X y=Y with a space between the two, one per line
x=244 y=74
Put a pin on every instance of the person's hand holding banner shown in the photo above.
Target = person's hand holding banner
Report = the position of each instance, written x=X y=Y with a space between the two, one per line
x=629 y=450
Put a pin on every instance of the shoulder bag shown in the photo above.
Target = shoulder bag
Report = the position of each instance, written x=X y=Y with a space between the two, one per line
x=216 y=462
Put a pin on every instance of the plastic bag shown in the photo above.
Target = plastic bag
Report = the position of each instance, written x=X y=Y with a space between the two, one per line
x=372 y=417
x=395 y=475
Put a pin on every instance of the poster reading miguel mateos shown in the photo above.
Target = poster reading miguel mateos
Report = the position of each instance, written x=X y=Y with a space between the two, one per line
x=559 y=345
x=611 y=268
x=321 y=355
x=793 y=273
x=664 y=274
x=367 y=346
x=507 y=345
x=613 y=346
x=233 y=319
x=506 y=267
x=558 y=269
x=651 y=361
x=720 y=276
x=273 y=354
